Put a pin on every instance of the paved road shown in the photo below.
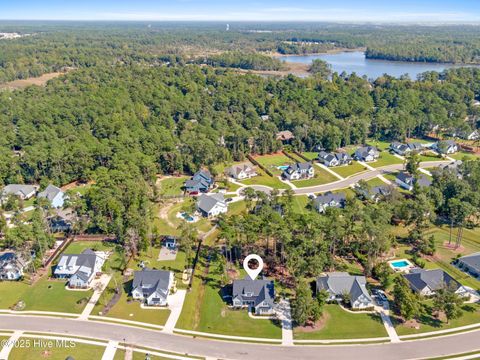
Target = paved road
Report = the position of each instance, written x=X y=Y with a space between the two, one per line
x=453 y=344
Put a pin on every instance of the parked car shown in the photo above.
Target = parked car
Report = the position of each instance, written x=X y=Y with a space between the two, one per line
x=380 y=296
x=228 y=199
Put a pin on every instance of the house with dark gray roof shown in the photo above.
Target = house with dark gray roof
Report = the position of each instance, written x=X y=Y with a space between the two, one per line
x=211 y=205
x=257 y=295
x=201 y=182
x=297 y=171
x=367 y=154
x=405 y=149
x=79 y=269
x=455 y=167
x=329 y=199
x=339 y=284
x=11 y=266
x=53 y=194
x=375 y=193
x=427 y=282
x=334 y=159
x=470 y=264
x=152 y=287
x=407 y=181
x=24 y=192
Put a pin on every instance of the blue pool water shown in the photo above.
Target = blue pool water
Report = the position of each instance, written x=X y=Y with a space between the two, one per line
x=400 y=264
x=282 y=167
x=187 y=217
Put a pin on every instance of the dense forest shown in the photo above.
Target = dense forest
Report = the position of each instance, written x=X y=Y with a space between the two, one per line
x=52 y=46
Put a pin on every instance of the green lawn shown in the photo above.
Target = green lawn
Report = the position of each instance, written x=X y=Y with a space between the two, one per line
x=349 y=170
x=10 y=292
x=461 y=155
x=321 y=177
x=470 y=315
x=236 y=207
x=57 y=351
x=271 y=162
x=375 y=182
x=300 y=204
x=385 y=159
x=310 y=155
x=429 y=156
x=340 y=324
x=263 y=179
x=171 y=185
x=380 y=145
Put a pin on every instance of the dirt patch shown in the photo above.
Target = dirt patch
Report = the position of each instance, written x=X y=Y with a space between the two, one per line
x=452 y=247
x=314 y=326
x=38 y=81
x=412 y=324
x=233 y=274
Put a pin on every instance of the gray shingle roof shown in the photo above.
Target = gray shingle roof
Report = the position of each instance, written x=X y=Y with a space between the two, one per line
x=338 y=283
x=207 y=202
x=50 y=192
x=328 y=197
x=150 y=281
x=435 y=279
x=298 y=167
x=472 y=260
x=17 y=189
x=254 y=290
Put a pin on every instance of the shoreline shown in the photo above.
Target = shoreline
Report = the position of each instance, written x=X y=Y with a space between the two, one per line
x=331 y=51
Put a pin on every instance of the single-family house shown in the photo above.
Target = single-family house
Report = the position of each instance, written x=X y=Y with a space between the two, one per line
x=299 y=171
x=153 y=287
x=367 y=154
x=211 y=205
x=53 y=194
x=62 y=220
x=11 y=266
x=375 y=193
x=24 y=192
x=201 y=182
x=79 y=269
x=455 y=168
x=285 y=136
x=329 y=199
x=405 y=149
x=257 y=295
x=446 y=147
x=407 y=181
x=340 y=284
x=470 y=264
x=468 y=134
x=242 y=171
x=334 y=159
x=170 y=242
x=427 y=282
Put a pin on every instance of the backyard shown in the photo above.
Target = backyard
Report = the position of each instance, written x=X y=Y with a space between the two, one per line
x=385 y=159
x=263 y=179
x=169 y=186
x=349 y=170
x=272 y=162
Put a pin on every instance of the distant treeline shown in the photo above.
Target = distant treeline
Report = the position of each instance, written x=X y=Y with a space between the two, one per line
x=238 y=59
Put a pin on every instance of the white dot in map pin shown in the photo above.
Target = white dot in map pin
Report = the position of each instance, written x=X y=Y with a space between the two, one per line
x=253 y=273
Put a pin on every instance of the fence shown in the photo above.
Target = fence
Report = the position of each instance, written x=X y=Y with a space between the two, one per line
x=255 y=162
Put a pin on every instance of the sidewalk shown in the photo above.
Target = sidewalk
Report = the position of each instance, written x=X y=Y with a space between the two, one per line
x=175 y=304
x=110 y=350
x=9 y=345
x=326 y=168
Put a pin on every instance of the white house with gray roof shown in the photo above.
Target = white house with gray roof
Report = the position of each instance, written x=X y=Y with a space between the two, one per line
x=407 y=181
x=367 y=154
x=329 y=199
x=427 y=282
x=152 y=287
x=256 y=295
x=53 y=194
x=405 y=149
x=241 y=171
x=334 y=159
x=339 y=284
x=11 y=266
x=446 y=147
x=79 y=269
x=470 y=264
x=211 y=205
x=299 y=171
x=24 y=192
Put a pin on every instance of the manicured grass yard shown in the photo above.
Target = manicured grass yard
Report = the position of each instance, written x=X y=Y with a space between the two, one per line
x=263 y=179
x=349 y=170
x=429 y=156
x=300 y=203
x=340 y=324
x=461 y=155
x=271 y=162
x=470 y=315
x=385 y=159
x=171 y=185
x=78 y=351
x=375 y=182
x=310 y=155
x=10 y=292
x=321 y=177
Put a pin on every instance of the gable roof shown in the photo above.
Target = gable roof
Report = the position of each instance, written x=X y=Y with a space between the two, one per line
x=285 y=135
x=472 y=260
x=50 y=192
x=207 y=202
x=299 y=166
x=18 y=189
x=254 y=290
x=84 y=264
x=434 y=279
x=237 y=169
x=150 y=281
x=338 y=283
x=328 y=197
x=364 y=151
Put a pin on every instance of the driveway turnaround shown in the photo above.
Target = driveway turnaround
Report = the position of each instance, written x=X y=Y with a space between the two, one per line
x=433 y=347
x=175 y=304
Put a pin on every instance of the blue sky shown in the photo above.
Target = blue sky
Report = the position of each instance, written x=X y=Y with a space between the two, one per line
x=254 y=10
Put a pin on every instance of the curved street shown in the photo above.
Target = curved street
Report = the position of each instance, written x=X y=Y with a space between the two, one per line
x=432 y=347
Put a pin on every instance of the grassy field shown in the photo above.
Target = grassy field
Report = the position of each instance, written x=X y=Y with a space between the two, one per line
x=321 y=177
x=310 y=155
x=340 y=324
x=264 y=179
x=385 y=159
x=171 y=185
x=271 y=162
x=375 y=182
x=470 y=315
x=461 y=155
x=429 y=156
x=300 y=204
x=57 y=351
x=349 y=170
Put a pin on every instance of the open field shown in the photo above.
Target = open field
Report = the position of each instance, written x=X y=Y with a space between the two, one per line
x=385 y=159
x=273 y=161
x=340 y=324
x=23 y=83
x=312 y=155
x=59 y=351
x=300 y=204
x=461 y=155
x=171 y=185
x=349 y=170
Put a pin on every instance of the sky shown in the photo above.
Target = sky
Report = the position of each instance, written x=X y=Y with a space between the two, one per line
x=434 y=11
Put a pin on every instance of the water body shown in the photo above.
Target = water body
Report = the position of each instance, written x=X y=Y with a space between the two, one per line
x=355 y=61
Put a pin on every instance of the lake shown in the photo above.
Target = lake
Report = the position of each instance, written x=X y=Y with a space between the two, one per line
x=355 y=61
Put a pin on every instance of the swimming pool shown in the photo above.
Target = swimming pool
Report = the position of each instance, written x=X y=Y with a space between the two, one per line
x=399 y=264
x=283 y=167
x=402 y=265
x=187 y=217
